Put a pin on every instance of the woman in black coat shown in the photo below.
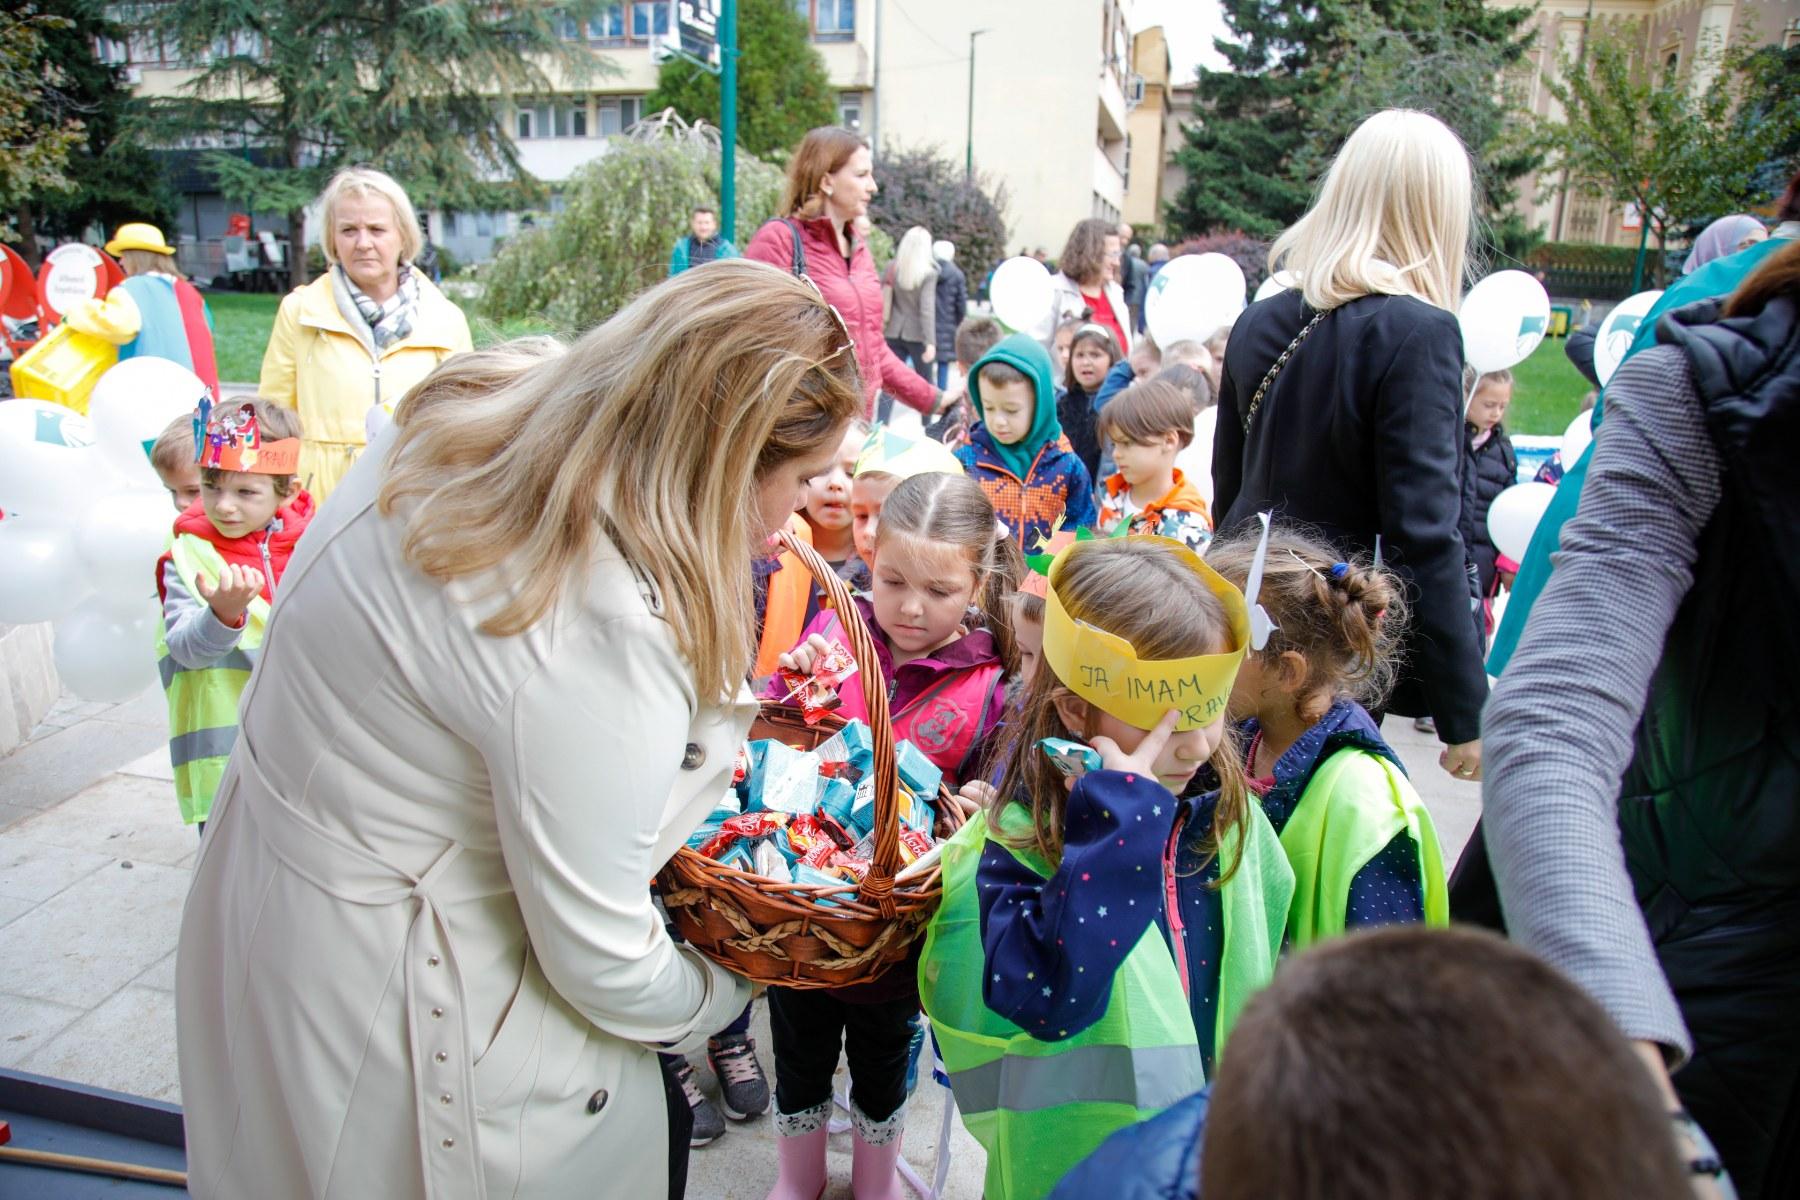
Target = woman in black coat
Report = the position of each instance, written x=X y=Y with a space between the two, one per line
x=1340 y=402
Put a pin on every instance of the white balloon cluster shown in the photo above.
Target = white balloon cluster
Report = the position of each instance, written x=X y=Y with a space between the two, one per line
x=86 y=519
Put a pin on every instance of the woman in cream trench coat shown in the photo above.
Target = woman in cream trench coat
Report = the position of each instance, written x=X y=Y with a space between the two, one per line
x=419 y=957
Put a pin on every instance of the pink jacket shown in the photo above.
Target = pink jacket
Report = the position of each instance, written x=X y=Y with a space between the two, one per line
x=854 y=289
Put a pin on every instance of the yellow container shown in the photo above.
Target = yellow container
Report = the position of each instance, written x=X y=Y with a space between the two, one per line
x=63 y=368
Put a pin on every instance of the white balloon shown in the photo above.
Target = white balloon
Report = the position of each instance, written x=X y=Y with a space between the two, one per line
x=40 y=575
x=106 y=655
x=1503 y=317
x=1618 y=331
x=1575 y=439
x=1280 y=281
x=47 y=459
x=1022 y=294
x=1514 y=517
x=119 y=537
x=1192 y=297
x=131 y=406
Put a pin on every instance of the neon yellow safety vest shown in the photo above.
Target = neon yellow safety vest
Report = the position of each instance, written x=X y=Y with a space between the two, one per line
x=1041 y=1107
x=203 y=701
x=1353 y=807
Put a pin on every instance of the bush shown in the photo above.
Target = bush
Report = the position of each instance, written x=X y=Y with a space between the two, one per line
x=624 y=212
x=924 y=187
x=1250 y=253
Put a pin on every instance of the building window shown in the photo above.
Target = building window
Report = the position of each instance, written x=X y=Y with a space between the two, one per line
x=484 y=224
x=829 y=20
x=619 y=113
x=527 y=121
x=627 y=24
x=578 y=119
x=649 y=19
x=850 y=108
x=608 y=25
x=1126 y=169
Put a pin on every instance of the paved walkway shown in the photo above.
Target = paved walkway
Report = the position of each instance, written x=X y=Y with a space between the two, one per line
x=94 y=864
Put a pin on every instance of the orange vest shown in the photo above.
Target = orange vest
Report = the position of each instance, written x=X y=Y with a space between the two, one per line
x=790 y=591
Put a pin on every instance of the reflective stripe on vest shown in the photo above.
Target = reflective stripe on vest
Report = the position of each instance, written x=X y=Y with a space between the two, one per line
x=1152 y=1077
x=203 y=701
x=1353 y=807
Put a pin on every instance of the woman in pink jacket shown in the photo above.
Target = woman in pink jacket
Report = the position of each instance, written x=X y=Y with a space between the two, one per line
x=829 y=185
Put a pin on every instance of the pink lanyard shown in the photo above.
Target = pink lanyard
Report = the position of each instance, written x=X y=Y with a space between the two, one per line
x=1172 y=905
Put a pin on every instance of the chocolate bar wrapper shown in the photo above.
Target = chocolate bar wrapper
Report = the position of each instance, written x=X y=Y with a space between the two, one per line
x=770 y=862
x=1073 y=759
x=739 y=857
x=837 y=799
x=849 y=867
x=918 y=773
x=853 y=745
x=745 y=827
x=914 y=845
x=862 y=812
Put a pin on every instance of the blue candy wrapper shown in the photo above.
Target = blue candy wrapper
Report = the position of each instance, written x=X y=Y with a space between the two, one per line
x=852 y=744
x=782 y=779
x=1073 y=759
x=920 y=775
x=916 y=812
x=739 y=856
x=837 y=800
x=862 y=812
x=806 y=874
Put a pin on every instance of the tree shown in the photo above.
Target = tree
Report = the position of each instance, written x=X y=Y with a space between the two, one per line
x=621 y=215
x=925 y=187
x=1681 y=145
x=783 y=88
x=1301 y=80
x=416 y=87
x=113 y=178
x=38 y=129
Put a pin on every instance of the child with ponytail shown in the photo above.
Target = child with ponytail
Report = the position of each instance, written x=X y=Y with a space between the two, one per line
x=942 y=569
x=1362 y=845
x=1099 y=934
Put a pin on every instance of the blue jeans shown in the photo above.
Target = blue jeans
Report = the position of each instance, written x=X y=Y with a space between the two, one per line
x=943 y=373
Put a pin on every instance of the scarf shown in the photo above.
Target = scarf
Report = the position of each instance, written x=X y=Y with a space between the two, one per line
x=388 y=322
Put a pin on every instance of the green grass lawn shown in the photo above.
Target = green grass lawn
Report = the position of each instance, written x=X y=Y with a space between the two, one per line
x=242 y=321
x=1547 y=391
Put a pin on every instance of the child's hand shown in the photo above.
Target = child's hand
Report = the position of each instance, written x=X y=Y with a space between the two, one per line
x=1141 y=761
x=974 y=796
x=231 y=596
x=803 y=657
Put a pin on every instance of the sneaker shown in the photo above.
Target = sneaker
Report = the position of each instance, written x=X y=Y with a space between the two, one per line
x=709 y=1125
x=744 y=1091
x=1425 y=725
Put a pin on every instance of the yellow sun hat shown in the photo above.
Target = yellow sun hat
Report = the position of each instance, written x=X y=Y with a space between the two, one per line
x=137 y=235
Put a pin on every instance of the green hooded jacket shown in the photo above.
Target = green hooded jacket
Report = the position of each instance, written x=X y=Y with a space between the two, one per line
x=1027 y=354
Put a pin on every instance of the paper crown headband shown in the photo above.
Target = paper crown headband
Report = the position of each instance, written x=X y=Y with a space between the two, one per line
x=1103 y=668
x=893 y=454
x=227 y=436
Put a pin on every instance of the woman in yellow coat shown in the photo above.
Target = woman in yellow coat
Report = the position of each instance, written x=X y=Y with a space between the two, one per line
x=348 y=345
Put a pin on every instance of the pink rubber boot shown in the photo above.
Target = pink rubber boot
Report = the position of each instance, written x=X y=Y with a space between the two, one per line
x=800 y=1150
x=875 y=1155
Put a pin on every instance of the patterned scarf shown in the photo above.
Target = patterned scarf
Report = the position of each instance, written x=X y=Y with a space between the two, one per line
x=390 y=322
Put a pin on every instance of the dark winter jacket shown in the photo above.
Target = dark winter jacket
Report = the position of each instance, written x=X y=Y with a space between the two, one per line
x=1492 y=467
x=1352 y=438
x=1158 y=1159
x=952 y=307
x=1075 y=410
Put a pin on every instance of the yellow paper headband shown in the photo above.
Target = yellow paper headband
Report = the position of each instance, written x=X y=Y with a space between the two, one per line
x=1104 y=669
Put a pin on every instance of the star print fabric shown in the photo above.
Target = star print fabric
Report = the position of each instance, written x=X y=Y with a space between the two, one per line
x=1053 y=945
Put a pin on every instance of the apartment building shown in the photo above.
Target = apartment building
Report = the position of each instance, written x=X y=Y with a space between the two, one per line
x=1051 y=114
x=1668 y=35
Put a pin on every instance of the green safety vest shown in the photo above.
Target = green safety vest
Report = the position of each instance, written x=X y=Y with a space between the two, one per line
x=1353 y=807
x=1041 y=1107
x=203 y=701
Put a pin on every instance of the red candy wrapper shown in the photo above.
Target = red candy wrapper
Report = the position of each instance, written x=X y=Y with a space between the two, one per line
x=749 y=826
x=817 y=689
x=820 y=854
x=849 y=866
x=740 y=769
x=914 y=844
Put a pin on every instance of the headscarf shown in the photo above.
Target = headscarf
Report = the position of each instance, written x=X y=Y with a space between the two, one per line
x=1719 y=239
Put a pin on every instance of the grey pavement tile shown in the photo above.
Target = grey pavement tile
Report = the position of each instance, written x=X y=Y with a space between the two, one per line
x=12 y=814
x=123 y=816
x=12 y=907
x=54 y=767
x=26 y=1024
x=149 y=708
x=154 y=765
x=160 y=976
x=126 y=1044
x=34 y=871
x=97 y=935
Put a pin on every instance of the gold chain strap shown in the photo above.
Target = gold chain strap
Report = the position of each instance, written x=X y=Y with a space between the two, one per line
x=1280 y=362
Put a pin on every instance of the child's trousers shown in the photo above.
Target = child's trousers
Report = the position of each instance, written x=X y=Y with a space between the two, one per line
x=810 y=1026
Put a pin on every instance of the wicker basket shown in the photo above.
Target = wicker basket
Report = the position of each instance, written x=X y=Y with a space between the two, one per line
x=779 y=933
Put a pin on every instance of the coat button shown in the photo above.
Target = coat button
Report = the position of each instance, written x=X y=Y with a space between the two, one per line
x=437 y=1012
x=449 y=1143
x=695 y=755
x=441 y=1056
x=597 y=1101
x=444 y=1099
x=433 y=961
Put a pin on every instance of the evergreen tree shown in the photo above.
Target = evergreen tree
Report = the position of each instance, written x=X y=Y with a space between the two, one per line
x=783 y=88
x=415 y=87
x=39 y=128
x=1301 y=81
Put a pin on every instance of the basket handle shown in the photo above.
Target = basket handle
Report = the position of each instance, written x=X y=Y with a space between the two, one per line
x=878 y=885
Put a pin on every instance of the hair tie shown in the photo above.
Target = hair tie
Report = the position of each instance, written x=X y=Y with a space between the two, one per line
x=1339 y=570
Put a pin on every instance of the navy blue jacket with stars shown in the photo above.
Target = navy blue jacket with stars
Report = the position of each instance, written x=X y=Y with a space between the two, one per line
x=1389 y=889
x=1052 y=946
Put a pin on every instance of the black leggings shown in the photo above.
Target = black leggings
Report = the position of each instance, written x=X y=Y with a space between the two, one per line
x=810 y=1026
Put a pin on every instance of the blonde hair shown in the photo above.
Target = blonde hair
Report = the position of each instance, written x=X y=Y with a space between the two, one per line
x=823 y=151
x=367 y=181
x=148 y=262
x=655 y=429
x=175 y=447
x=1392 y=217
x=913 y=261
x=1139 y=590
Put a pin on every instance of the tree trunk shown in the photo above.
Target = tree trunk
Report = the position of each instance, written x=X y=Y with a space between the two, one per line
x=28 y=243
x=297 y=248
